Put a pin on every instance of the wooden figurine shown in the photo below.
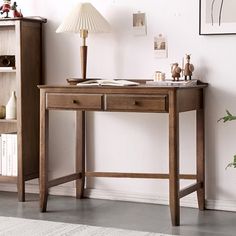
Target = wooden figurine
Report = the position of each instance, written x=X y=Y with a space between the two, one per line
x=175 y=71
x=5 y=8
x=16 y=13
x=188 y=68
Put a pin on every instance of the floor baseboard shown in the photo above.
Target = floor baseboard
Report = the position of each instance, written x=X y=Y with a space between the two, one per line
x=189 y=201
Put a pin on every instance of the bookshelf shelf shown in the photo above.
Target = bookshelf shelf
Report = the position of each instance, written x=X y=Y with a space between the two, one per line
x=8 y=179
x=5 y=70
x=16 y=34
x=8 y=121
x=8 y=126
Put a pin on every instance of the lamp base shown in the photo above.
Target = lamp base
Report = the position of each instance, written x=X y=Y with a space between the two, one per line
x=83 y=56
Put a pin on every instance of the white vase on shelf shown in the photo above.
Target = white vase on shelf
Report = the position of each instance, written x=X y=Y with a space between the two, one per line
x=11 y=107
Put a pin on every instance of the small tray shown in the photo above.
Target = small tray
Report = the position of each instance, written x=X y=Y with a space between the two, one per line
x=74 y=81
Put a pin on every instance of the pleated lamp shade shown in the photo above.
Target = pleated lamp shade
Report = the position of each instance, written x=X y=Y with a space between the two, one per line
x=84 y=16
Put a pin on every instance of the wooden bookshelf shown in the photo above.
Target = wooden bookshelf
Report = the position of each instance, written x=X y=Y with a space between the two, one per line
x=22 y=37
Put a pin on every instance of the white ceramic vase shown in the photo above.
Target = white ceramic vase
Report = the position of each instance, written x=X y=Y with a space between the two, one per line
x=11 y=107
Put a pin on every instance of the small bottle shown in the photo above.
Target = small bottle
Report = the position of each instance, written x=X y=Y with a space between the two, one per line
x=11 y=107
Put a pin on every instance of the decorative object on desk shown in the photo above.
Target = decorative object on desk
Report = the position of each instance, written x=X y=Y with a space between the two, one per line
x=16 y=13
x=7 y=61
x=11 y=107
x=159 y=76
x=105 y=82
x=229 y=117
x=217 y=17
x=5 y=8
x=175 y=71
x=139 y=24
x=160 y=46
x=82 y=19
x=2 y=112
x=188 y=68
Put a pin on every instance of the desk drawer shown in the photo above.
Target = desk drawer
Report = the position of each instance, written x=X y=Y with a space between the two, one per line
x=74 y=101
x=138 y=103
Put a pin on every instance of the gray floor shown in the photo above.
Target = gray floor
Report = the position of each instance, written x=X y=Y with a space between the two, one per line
x=125 y=215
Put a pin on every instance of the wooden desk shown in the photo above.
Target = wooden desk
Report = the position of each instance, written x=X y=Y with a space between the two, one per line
x=142 y=98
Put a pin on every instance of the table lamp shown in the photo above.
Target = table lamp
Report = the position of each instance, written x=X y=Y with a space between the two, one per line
x=82 y=19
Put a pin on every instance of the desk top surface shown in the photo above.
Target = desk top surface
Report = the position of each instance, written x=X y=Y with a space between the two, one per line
x=141 y=86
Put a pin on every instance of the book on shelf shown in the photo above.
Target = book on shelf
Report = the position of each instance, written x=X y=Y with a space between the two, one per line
x=104 y=82
x=4 y=156
x=173 y=83
x=8 y=154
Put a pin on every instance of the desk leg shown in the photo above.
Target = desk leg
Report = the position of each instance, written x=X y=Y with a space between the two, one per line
x=200 y=158
x=21 y=181
x=43 y=175
x=80 y=152
x=174 y=159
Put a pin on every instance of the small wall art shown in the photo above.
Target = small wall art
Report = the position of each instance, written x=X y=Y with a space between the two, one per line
x=160 y=46
x=217 y=17
x=139 y=24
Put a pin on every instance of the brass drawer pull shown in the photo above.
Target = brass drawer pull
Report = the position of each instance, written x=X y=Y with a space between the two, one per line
x=76 y=101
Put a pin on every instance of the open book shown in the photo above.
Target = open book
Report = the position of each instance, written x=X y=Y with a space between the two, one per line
x=104 y=82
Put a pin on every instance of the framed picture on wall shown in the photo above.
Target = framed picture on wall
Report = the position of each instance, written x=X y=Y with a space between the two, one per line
x=217 y=17
x=139 y=24
x=160 y=46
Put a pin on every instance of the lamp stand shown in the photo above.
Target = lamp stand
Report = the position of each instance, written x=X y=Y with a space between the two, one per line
x=83 y=53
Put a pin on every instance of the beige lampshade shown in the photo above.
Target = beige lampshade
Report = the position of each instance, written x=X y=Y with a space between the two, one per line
x=84 y=16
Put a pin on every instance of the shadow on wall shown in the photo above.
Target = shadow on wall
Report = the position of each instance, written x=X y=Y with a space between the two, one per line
x=218 y=151
x=201 y=72
x=62 y=52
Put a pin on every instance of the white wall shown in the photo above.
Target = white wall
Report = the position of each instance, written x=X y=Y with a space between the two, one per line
x=135 y=142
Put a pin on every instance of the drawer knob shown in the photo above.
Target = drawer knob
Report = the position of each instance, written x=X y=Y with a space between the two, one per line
x=135 y=103
x=76 y=101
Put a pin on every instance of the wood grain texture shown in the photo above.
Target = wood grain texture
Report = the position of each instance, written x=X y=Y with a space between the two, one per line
x=155 y=103
x=80 y=152
x=200 y=158
x=23 y=38
x=189 y=100
x=158 y=99
x=64 y=179
x=83 y=57
x=190 y=189
x=8 y=126
x=8 y=179
x=135 y=175
x=74 y=101
x=43 y=179
x=174 y=158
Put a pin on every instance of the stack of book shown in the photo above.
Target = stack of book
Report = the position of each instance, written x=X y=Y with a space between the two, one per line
x=179 y=83
x=8 y=154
